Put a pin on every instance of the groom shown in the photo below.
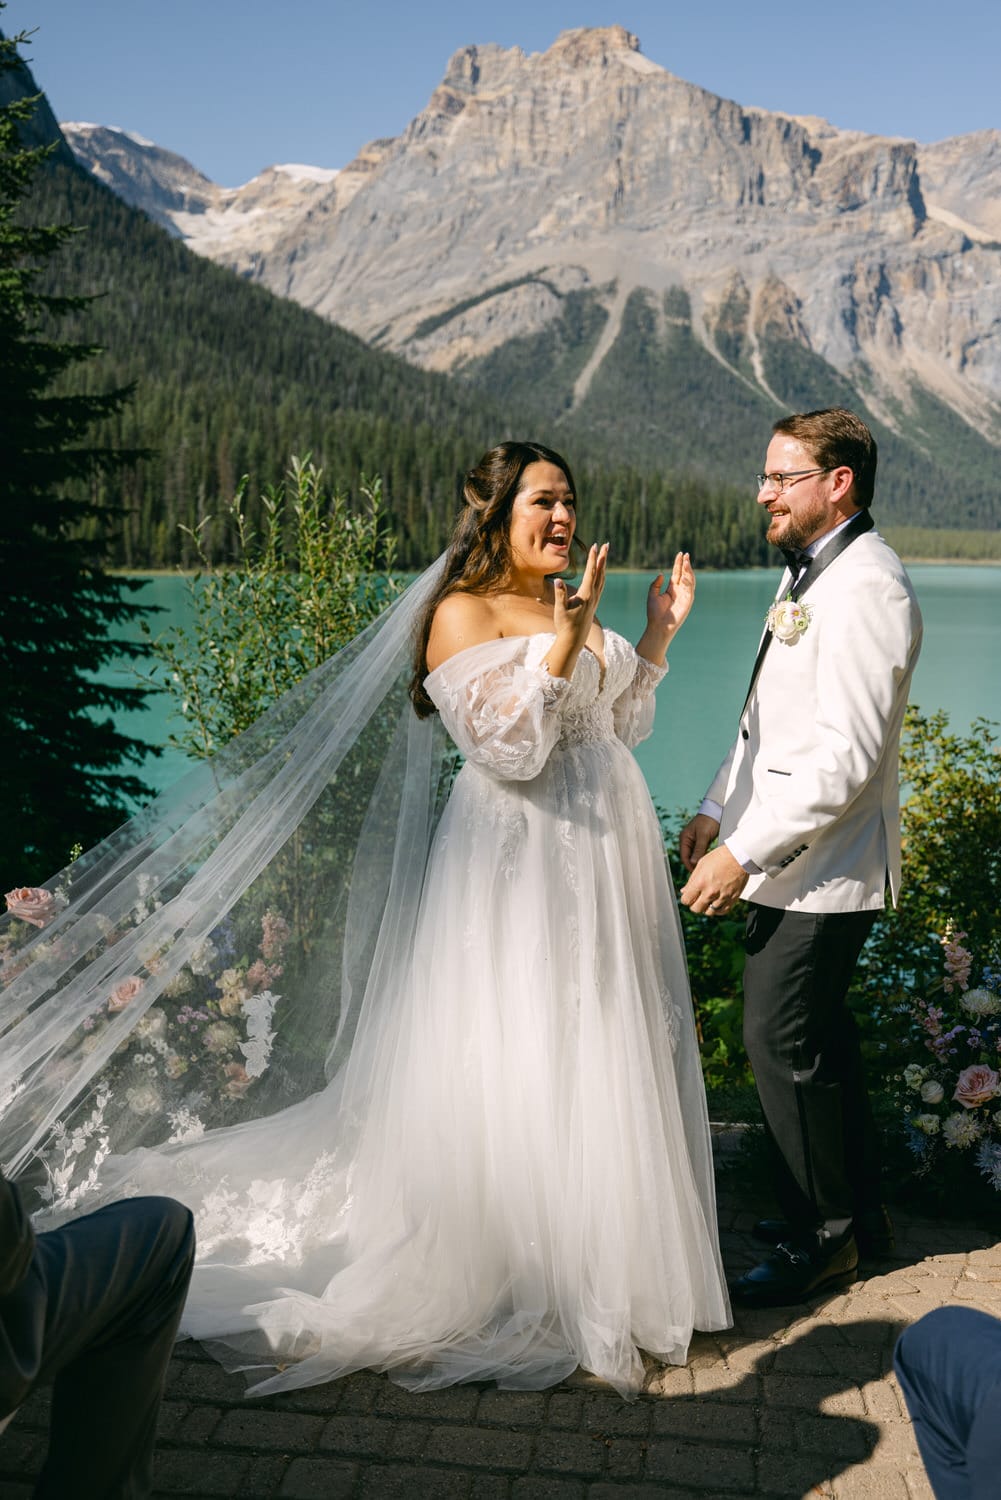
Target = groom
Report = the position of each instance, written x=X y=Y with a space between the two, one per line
x=806 y=810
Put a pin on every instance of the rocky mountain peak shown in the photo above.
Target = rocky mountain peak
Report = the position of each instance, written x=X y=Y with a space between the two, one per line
x=585 y=46
x=488 y=70
x=570 y=178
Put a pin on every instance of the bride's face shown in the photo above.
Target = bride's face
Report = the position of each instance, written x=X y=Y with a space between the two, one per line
x=543 y=521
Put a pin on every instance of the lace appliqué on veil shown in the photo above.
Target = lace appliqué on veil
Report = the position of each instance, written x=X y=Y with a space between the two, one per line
x=274 y=1219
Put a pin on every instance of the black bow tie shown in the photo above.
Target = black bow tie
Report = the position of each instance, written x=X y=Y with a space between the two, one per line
x=796 y=559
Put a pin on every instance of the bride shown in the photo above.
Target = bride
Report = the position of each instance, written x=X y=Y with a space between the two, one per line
x=505 y=1170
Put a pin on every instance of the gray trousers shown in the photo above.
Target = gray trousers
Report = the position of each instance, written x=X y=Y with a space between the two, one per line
x=96 y=1317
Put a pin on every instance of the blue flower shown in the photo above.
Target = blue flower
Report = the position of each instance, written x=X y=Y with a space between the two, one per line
x=224 y=938
x=989 y=1162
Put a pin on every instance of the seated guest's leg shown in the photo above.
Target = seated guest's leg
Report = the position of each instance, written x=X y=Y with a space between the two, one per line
x=115 y=1285
x=949 y=1367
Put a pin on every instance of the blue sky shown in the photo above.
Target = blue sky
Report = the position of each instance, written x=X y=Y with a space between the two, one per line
x=236 y=85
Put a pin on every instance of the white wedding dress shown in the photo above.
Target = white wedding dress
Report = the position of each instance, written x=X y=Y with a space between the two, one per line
x=511 y=1174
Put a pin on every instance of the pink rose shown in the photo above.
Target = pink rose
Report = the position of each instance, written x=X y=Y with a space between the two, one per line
x=976 y=1085
x=239 y=1080
x=123 y=994
x=32 y=904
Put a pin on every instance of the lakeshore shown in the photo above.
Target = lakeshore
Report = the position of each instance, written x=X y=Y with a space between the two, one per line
x=959 y=670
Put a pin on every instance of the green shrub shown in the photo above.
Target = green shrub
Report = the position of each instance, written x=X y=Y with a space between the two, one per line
x=950 y=825
x=300 y=590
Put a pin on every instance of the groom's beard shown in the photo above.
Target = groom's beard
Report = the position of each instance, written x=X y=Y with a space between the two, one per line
x=787 y=530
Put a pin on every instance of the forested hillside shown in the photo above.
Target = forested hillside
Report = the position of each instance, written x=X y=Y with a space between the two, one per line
x=231 y=380
x=660 y=398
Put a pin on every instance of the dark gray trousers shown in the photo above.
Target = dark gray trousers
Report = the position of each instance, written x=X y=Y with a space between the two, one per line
x=803 y=1045
x=96 y=1316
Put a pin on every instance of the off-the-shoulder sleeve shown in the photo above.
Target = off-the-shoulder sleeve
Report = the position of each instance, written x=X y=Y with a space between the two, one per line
x=500 y=711
x=633 y=709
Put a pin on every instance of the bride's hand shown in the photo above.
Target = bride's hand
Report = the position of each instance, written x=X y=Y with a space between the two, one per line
x=667 y=610
x=573 y=618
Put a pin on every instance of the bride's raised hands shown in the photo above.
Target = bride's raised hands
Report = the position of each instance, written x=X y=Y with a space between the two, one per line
x=573 y=615
x=667 y=608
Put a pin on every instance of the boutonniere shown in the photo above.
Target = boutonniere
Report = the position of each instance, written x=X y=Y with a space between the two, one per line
x=788 y=620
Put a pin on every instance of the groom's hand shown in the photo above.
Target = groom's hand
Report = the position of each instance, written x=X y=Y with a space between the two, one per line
x=697 y=837
x=715 y=884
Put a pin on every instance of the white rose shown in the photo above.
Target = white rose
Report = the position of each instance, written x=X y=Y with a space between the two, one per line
x=203 y=958
x=181 y=984
x=152 y=1024
x=143 y=1099
x=788 y=620
x=932 y=1091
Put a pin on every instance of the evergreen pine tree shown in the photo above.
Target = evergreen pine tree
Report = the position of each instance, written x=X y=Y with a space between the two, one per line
x=61 y=759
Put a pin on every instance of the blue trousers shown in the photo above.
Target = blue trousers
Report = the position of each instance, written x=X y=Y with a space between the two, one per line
x=95 y=1316
x=949 y=1367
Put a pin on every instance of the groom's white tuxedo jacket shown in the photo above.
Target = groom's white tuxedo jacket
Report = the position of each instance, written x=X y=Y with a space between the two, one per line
x=810 y=789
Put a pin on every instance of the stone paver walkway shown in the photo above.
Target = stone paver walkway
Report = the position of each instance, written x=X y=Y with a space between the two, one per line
x=792 y=1402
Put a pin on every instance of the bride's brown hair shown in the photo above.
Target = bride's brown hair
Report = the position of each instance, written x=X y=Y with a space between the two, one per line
x=479 y=553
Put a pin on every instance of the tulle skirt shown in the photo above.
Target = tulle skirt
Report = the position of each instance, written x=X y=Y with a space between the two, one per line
x=511 y=1175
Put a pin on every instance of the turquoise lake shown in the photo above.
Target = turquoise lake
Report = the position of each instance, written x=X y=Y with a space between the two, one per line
x=710 y=662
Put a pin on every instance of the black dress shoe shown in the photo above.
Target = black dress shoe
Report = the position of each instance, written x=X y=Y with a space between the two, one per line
x=873 y=1233
x=773 y=1231
x=792 y=1273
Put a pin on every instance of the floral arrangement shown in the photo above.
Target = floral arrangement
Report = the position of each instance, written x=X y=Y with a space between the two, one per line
x=950 y=1092
x=788 y=620
x=201 y=1045
x=220 y=1032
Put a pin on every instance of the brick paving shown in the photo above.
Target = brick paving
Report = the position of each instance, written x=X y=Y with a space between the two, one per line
x=791 y=1402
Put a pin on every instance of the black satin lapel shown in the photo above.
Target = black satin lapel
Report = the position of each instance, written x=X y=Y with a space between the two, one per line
x=766 y=641
x=861 y=523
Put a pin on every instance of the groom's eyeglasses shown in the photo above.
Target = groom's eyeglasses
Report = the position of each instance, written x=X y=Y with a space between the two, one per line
x=782 y=482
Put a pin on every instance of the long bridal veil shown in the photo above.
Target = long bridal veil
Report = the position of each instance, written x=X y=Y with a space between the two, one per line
x=427 y=1077
x=209 y=962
